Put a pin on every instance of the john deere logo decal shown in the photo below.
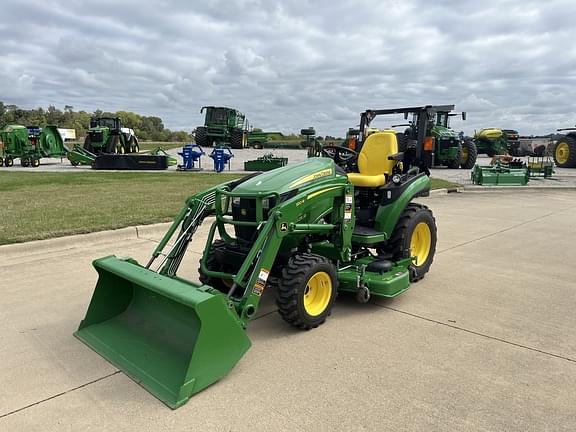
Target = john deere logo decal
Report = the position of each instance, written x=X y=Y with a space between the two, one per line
x=283 y=227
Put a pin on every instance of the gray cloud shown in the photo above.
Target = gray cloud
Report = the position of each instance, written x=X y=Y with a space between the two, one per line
x=292 y=64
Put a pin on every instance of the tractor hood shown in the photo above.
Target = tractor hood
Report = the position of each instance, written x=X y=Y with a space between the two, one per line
x=443 y=132
x=295 y=176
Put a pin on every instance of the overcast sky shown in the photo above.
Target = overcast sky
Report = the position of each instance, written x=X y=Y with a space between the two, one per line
x=290 y=64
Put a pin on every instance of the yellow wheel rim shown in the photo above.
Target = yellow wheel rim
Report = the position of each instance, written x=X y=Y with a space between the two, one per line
x=464 y=154
x=421 y=242
x=120 y=149
x=562 y=152
x=317 y=293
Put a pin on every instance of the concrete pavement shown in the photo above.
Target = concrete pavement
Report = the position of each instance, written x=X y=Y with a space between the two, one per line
x=486 y=342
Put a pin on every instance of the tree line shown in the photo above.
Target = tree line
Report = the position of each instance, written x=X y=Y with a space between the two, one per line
x=147 y=128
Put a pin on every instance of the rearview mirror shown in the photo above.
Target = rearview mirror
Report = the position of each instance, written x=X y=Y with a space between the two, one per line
x=463 y=115
x=405 y=116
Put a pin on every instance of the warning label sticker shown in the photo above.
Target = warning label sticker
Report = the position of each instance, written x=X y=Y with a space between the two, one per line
x=261 y=282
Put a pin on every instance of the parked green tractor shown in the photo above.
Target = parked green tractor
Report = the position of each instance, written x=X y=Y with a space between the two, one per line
x=344 y=222
x=222 y=126
x=565 y=149
x=106 y=135
x=30 y=144
x=450 y=149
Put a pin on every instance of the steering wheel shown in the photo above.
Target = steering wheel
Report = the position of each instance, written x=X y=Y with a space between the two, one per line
x=342 y=156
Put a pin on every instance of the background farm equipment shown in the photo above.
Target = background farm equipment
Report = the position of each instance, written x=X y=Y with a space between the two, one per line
x=513 y=173
x=540 y=166
x=303 y=231
x=30 y=144
x=191 y=154
x=155 y=159
x=222 y=126
x=449 y=150
x=106 y=135
x=565 y=149
x=493 y=141
x=221 y=156
x=430 y=125
x=265 y=163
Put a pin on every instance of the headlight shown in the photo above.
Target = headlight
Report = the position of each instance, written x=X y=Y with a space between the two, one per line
x=396 y=179
x=266 y=203
x=236 y=201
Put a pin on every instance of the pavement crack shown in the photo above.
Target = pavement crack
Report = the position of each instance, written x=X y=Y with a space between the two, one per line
x=505 y=229
x=494 y=338
x=58 y=395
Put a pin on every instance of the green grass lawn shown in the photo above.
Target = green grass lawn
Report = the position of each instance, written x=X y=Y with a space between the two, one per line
x=40 y=205
x=43 y=205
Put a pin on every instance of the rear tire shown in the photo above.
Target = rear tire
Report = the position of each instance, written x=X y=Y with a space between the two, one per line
x=201 y=137
x=111 y=144
x=415 y=234
x=469 y=154
x=35 y=162
x=8 y=161
x=565 y=152
x=306 y=291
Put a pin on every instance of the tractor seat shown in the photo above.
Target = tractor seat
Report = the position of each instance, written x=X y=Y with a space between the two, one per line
x=373 y=162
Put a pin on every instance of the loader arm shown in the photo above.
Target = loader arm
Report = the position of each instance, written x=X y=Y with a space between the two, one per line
x=255 y=270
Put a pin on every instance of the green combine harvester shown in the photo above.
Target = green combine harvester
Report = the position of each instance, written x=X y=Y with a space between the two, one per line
x=107 y=135
x=30 y=144
x=341 y=222
x=222 y=126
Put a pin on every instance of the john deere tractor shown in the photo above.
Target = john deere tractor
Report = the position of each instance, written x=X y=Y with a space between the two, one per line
x=565 y=149
x=341 y=222
x=432 y=123
x=106 y=135
x=226 y=126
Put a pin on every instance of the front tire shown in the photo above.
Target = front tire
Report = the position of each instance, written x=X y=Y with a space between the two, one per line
x=214 y=263
x=469 y=154
x=415 y=235
x=237 y=139
x=201 y=136
x=306 y=290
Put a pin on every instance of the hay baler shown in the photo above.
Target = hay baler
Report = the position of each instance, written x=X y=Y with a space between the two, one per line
x=344 y=222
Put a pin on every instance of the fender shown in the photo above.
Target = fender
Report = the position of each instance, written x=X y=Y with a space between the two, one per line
x=395 y=200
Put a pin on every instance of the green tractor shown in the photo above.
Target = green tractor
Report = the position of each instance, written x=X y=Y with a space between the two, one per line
x=344 y=222
x=222 y=126
x=565 y=149
x=30 y=144
x=431 y=123
x=106 y=135
x=449 y=149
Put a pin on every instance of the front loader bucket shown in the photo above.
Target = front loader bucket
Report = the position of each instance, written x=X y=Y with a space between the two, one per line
x=171 y=337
